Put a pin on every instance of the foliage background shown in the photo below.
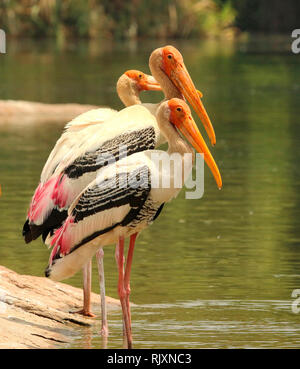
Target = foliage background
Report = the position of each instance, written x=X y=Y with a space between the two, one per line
x=119 y=19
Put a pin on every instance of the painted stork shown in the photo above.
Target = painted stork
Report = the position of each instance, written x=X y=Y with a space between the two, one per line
x=135 y=128
x=129 y=87
x=124 y=200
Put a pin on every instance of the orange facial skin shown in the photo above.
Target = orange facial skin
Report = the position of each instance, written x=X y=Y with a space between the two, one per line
x=181 y=117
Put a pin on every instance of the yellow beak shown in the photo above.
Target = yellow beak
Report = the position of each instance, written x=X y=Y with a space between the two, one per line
x=190 y=130
x=151 y=84
x=182 y=80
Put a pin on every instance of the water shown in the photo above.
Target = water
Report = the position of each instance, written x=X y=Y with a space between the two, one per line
x=214 y=272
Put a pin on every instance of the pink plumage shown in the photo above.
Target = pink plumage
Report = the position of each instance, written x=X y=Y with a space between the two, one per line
x=59 y=195
x=61 y=239
x=46 y=197
x=41 y=201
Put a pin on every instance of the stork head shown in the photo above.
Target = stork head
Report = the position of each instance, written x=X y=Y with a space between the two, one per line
x=169 y=61
x=142 y=81
x=131 y=83
x=179 y=114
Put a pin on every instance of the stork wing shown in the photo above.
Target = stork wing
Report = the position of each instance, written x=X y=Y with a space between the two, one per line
x=101 y=207
x=75 y=132
x=134 y=127
x=93 y=116
x=129 y=121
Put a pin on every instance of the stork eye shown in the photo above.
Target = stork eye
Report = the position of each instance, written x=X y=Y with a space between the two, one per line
x=179 y=109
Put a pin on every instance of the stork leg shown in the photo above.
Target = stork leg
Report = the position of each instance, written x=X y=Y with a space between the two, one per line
x=87 y=280
x=104 y=324
x=127 y=273
x=117 y=261
x=122 y=292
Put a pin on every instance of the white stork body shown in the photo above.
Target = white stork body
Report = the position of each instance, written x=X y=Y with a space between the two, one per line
x=71 y=235
x=92 y=224
x=122 y=201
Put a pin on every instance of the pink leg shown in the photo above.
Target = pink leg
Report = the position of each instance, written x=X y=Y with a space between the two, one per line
x=117 y=261
x=122 y=292
x=127 y=273
x=87 y=280
x=99 y=257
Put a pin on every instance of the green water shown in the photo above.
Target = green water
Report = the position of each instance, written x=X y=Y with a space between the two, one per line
x=214 y=272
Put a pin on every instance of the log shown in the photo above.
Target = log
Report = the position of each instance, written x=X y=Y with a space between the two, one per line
x=36 y=312
x=19 y=111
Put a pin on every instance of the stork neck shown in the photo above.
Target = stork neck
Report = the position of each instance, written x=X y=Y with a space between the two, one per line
x=167 y=86
x=129 y=99
x=176 y=144
x=128 y=94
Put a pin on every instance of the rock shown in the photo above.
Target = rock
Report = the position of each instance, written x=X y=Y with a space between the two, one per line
x=28 y=112
x=35 y=312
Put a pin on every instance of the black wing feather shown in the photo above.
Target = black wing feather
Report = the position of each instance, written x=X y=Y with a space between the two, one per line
x=102 y=197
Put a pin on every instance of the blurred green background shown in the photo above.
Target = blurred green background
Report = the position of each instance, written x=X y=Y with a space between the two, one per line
x=120 y=19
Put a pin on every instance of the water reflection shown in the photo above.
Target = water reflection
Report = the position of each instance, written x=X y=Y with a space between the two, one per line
x=214 y=272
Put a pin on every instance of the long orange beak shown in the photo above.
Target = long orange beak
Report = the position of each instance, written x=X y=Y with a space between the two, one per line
x=150 y=84
x=182 y=80
x=190 y=130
